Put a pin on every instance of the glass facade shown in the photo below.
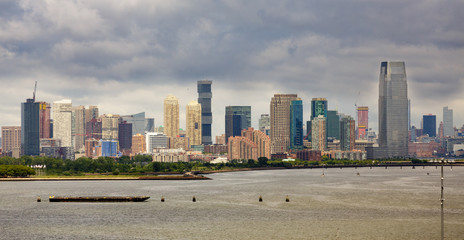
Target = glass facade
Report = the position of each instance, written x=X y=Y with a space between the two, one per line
x=333 y=124
x=204 y=99
x=236 y=119
x=296 y=124
x=430 y=125
x=30 y=141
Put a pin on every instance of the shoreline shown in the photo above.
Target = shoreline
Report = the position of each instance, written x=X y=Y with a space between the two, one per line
x=178 y=178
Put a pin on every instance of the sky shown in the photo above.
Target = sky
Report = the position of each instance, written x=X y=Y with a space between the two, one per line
x=126 y=56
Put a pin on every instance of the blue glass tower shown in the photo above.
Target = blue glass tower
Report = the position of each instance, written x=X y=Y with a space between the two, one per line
x=30 y=131
x=204 y=99
x=237 y=118
x=296 y=124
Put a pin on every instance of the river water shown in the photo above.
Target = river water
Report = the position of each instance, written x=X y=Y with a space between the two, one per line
x=378 y=203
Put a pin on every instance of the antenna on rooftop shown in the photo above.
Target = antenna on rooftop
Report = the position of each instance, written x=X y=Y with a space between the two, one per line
x=35 y=89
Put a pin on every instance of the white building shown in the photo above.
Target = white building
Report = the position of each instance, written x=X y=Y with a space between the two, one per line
x=62 y=122
x=156 y=140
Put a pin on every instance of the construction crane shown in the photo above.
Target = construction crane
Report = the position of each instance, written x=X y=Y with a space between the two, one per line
x=35 y=89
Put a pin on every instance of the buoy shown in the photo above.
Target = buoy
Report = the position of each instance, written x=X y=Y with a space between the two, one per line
x=38 y=199
x=287 y=199
x=358 y=174
x=162 y=198
x=427 y=173
x=260 y=198
x=194 y=199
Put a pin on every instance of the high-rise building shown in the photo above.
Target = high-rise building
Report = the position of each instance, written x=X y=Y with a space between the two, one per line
x=140 y=124
x=62 y=122
x=156 y=140
x=30 y=130
x=448 y=129
x=110 y=126
x=78 y=127
x=333 y=124
x=347 y=133
x=236 y=119
x=296 y=124
x=319 y=134
x=125 y=136
x=11 y=138
x=241 y=148
x=280 y=122
x=91 y=113
x=193 y=122
x=441 y=130
x=363 y=121
x=171 y=116
x=318 y=107
x=393 y=111
x=262 y=141
x=138 y=144
x=44 y=120
x=265 y=124
x=94 y=129
x=204 y=99
x=429 y=125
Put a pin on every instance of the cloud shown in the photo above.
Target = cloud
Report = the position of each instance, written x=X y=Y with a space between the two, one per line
x=134 y=53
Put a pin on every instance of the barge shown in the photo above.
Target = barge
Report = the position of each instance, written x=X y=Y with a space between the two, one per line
x=99 y=199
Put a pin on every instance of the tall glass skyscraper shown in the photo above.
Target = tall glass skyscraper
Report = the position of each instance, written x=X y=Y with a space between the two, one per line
x=30 y=130
x=296 y=124
x=280 y=121
x=333 y=124
x=318 y=107
x=393 y=111
x=204 y=99
x=236 y=119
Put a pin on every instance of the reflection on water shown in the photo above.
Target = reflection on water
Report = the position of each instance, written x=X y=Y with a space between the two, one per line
x=378 y=203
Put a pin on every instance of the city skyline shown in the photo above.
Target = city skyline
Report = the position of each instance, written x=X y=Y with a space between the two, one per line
x=249 y=53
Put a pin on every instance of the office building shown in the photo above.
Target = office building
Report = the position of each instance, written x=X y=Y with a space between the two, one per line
x=261 y=140
x=30 y=128
x=125 y=137
x=318 y=107
x=109 y=148
x=78 y=127
x=441 y=130
x=265 y=124
x=138 y=144
x=140 y=124
x=393 y=111
x=44 y=120
x=110 y=126
x=347 y=133
x=171 y=116
x=62 y=121
x=296 y=124
x=204 y=99
x=319 y=134
x=11 y=138
x=236 y=119
x=280 y=121
x=333 y=124
x=448 y=129
x=193 y=122
x=93 y=129
x=91 y=113
x=429 y=125
x=241 y=148
x=156 y=140
x=363 y=121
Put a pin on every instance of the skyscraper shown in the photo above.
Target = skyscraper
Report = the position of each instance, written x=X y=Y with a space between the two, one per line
x=265 y=124
x=296 y=124
x=125 y=136
x=171 y=116
x=448 y=130
x=319 y=134
x=393 y=111
x=347 y=133
x=363 y=121
x=204 y=99
x=44 y=119
x=30 y=131
x=11 y=138
x=110 y=126
x=429 y=125
x=333 y=124
x=193 y=122
x=237 y=118
x=280 y=121
x=78 y=127
x=318 y=107
x=62 y=121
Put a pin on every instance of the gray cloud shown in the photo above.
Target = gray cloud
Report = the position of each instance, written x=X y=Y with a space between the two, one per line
x=135 y=53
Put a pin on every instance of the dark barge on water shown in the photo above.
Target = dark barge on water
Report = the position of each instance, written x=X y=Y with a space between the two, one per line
x=99 y=199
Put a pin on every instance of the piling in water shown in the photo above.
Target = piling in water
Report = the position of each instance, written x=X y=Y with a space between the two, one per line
x=38 y=199
x=194 y=199
x=260 y=198
x=162 y=198
x=287 y=199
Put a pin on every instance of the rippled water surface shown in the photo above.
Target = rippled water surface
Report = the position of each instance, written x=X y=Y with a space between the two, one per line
x=380 y=203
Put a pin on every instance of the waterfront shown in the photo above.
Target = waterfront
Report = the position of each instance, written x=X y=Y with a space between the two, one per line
x=380 y=203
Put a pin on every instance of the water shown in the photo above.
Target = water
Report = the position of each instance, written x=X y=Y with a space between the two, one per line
x=381 y=203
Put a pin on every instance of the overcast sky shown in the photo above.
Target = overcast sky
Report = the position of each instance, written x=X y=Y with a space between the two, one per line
x=126 y=56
